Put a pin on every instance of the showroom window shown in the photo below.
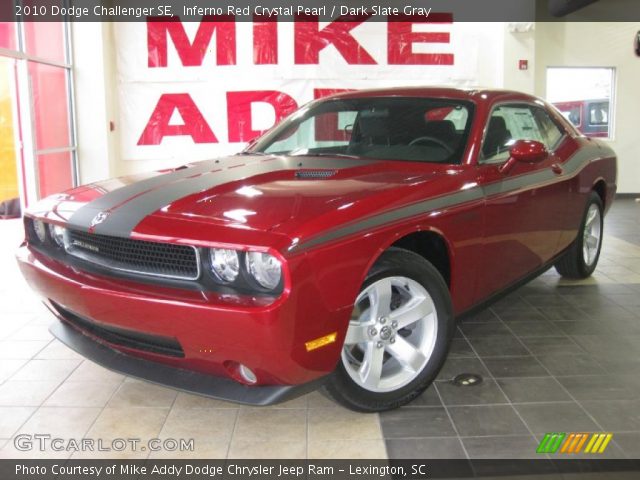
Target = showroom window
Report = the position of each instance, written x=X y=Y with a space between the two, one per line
x=36 y=102
x=585 y=96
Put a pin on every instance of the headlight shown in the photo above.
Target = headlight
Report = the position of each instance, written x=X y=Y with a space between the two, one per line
x=225 y=264
x=57 y=233
x=41 y=230
x=264 y=268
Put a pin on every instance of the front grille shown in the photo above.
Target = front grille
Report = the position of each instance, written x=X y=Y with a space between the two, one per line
x=135 y=256
x=123 y=337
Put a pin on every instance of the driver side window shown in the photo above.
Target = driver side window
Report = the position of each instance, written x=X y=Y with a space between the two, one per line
x=508 y=124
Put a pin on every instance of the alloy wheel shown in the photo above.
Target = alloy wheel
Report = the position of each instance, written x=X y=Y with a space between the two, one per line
x=391 y=335
x=592 y=235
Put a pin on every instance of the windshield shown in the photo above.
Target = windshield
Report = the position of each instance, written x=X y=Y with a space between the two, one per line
x=390 y=128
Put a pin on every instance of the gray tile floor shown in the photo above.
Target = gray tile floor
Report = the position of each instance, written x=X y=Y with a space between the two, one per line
x=554 y=355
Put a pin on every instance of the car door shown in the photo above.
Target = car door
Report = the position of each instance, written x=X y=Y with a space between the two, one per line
x=525 y=205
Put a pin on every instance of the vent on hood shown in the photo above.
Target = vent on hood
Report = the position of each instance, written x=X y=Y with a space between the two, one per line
x=314 y=174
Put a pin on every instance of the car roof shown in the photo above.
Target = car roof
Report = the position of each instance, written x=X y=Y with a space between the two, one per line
x=477 y=95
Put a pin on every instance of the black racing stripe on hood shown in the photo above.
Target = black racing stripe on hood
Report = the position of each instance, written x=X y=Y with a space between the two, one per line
x=144 y=201
x=82 y=218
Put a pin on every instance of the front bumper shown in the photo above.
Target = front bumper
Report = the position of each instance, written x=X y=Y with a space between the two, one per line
x=211 y=332
x=187 y=381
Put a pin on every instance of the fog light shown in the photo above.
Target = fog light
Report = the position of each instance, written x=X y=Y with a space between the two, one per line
x=247 y=374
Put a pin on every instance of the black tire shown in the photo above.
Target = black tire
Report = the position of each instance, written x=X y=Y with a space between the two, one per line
x=399 y=262
x=572 y=264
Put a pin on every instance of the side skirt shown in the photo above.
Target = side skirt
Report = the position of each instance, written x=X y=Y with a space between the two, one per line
x=483 y=304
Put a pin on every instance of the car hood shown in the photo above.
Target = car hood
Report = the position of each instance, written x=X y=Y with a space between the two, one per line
x=288 y=196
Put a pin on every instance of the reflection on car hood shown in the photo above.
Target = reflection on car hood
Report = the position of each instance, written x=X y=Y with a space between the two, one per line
x=265 y=193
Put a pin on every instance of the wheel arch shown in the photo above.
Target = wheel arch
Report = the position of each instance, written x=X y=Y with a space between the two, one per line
x=428 y=242
x=600 y=187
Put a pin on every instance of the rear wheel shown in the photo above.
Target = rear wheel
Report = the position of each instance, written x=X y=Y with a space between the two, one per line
x=581 y=259
x=398 y=336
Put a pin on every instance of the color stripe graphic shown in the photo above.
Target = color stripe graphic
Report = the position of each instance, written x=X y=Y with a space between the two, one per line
x=573 y=443
x=551 y=442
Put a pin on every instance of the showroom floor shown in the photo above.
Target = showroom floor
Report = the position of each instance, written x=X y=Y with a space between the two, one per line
x=555 y=356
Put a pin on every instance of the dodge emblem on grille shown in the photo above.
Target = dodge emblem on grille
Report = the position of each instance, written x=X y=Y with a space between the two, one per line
x=99 y=218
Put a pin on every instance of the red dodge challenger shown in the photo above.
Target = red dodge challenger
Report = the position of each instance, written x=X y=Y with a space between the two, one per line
x=337 y=250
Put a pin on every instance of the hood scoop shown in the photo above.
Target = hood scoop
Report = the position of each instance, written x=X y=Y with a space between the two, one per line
x=315 y=174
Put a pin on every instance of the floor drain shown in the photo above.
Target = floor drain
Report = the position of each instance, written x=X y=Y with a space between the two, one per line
x=467 y=380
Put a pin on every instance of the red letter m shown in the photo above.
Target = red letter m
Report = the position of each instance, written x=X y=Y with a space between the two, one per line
x=191 y=53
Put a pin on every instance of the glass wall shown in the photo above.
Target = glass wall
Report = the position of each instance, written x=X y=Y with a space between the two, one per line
x=8 y=35
x=40 y=98
x=9 y=189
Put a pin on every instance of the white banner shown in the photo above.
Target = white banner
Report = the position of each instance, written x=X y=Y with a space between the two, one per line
x=190 y=91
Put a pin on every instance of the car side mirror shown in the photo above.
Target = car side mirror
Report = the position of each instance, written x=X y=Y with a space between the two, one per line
x=525 y=151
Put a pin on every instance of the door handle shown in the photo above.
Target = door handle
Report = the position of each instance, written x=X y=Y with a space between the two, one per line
x=557 y=169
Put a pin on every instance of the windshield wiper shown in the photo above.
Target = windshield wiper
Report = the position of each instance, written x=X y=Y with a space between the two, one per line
x=327 y=154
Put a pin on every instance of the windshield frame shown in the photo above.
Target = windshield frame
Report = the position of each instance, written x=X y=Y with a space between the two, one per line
x=262 y=143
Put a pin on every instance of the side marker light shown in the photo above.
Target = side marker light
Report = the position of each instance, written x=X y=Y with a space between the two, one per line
x=321 y=342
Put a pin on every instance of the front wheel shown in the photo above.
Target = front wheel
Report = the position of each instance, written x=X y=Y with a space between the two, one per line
x=398 y=336
x=581 y=259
